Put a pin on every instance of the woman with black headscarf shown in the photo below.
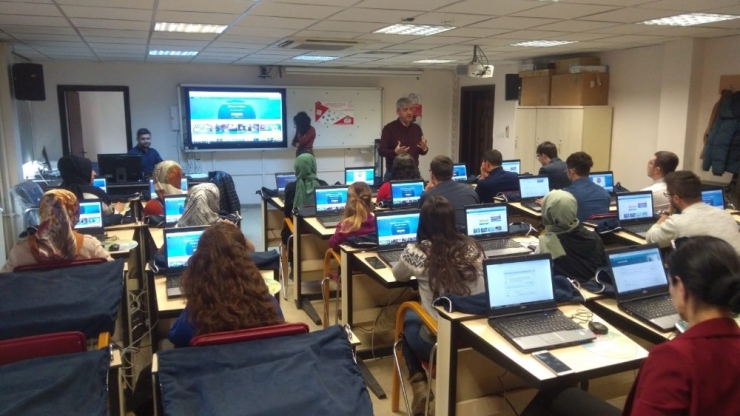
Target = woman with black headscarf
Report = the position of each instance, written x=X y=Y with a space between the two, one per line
x=77 y=176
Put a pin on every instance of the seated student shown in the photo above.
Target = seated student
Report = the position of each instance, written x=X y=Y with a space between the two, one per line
x=694 y=374
x=493 y=178
x=592 y=198
x=55 y=239
x=223 y=289
x=167 y=176
x=661 y=164
x=358 y=217
x=441 y=183
x=201 y=206
x=404 y=168
x=576 y=251
x=300 y=193
x=443 y=261
x=688 y=216
x=77 y=176
x=552 y=166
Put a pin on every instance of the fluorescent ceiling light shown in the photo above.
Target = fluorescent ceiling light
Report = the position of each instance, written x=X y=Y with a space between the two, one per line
x=315 y=58
x=188 y=27
x=434 y=61
x=690 y=19
x=172 y=53
x=364 y=72
x=414 y=30
x=542 y=43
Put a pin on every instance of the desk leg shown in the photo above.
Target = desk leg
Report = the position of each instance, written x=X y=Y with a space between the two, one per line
x=116 y=399
x=264 y=224
x=446 y=398
x=300 y=301
x=345 y=281
x=370 y=380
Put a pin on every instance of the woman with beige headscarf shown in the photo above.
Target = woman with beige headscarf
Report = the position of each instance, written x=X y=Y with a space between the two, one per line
x=167 y=176
x=55 y=239
x=201 y=206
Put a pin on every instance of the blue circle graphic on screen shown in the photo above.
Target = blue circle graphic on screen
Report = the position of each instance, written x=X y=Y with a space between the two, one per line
x=190 y=247
x=181 y=209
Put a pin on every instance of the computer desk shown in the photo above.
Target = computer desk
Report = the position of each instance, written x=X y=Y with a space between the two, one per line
x=272 y=221
x=607 y=355
x=623 y=237
x=528 y=212
x=308 y=260
x=609 y=310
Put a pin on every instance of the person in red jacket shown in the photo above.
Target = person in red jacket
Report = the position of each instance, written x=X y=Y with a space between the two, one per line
x=404 y=167
x=358 y=218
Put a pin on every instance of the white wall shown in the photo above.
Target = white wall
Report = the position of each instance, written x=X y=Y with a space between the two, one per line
x=103 y=123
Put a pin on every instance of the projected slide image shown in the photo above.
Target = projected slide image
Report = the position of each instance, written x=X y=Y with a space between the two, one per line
x=222 y=116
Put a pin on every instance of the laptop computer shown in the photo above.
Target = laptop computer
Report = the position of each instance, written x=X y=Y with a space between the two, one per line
x=635 y=212
x=174 y=206
x=91 y=219
x=514 y=165
x=641 y=286
x=489 y=224
x=606 y=181
x=532 y=188
x=396 y=229
x=406 y=194
x=522 y=308
x=281 y=180
x=101 y=183
x=459 y=172
x=362 y=174
x=184 y=185
x=330 y=202
x=179 y=246
x=714 y=197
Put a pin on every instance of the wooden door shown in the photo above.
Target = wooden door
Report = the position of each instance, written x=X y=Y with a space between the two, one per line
x=476 y=125
x=74 y=123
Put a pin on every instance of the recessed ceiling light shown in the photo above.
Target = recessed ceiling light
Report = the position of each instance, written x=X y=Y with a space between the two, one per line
x=542 y=43
x=415 y=30
x=689 y=19
x=172 y=53
x=434 y=61
x=188 y=27
x=315 y=58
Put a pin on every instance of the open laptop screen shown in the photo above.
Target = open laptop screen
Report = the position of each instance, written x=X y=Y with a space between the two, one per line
x=714 y=197
x=531 y=187
x=512 y=166
x=181 y=244
x=406 y=194
x=635 y=206
x=174 y=206
x=331 y=199
x=282 y=179
x=637 y=270
x=352 y=175
x=397 y=228
x=100 y=183
x=518 y=281
x=460 y=172
x=603 y=179
x=91 y=215
x=485 y=221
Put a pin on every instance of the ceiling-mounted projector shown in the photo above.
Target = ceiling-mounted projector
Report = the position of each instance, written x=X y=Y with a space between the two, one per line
x=476 y=68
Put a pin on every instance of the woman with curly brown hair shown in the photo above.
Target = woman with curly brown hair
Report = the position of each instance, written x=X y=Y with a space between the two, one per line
x=223 y=288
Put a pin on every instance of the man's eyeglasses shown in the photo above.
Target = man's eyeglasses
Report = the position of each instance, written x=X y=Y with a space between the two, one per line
x=667 y=195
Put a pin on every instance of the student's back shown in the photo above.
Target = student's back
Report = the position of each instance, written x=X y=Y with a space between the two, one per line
x=358 y=218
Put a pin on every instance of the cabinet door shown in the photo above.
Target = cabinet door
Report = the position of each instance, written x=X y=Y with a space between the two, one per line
x=525 y=143
x=561 y=126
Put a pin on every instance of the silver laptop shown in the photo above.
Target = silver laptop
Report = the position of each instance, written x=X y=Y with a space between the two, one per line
x=635 y=212
x=641 y=286
x=395 y=229
x=330 y=202
x=522 y=307
x=532 y=188
x=91 y=219
x=459 y=172
x=362 y=174
x=514 y=165
x=179 y=246
x=605 y=180
x=282 y=179
x=174 y=206
x=489 y=224
x=714 y=197
x=406 y=194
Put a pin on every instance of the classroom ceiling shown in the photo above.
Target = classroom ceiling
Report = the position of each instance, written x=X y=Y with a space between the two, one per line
x=123 y=30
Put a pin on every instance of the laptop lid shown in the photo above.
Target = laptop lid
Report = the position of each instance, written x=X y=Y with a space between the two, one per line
x=362 y=174
x=487 y=221
x=396 y=229
x=714 y=197
x=603 y=179
x=635 y=207
x=638 y=272
x=282 y=179
x=514 y=165
x=533 y=187
x=406 y=194
x=101 y=183
x=330 y=200
x=519 y=284
x=91 y=217
x=174 y=206
x=180 y=244
x=459 y=172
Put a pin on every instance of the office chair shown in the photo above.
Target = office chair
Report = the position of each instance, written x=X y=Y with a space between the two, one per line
x=37 y=346
x=27 y=196
x=330 y=276
x=251 y=334
x=284 y=253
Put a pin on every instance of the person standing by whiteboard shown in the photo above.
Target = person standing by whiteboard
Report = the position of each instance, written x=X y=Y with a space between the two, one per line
x=305 y=134
x=402 y=136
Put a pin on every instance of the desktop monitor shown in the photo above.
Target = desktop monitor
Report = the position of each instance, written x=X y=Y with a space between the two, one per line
x=120 y=168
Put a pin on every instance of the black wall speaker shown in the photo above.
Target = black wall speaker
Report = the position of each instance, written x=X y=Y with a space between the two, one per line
x=513 y=85
x=28 y=82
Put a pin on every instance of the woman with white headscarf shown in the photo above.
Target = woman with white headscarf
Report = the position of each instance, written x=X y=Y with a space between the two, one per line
x=201 y=206
x=166 y=177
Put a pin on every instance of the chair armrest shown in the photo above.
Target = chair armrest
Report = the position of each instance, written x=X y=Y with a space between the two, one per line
x=328 y=256
x=103 y=340
x=289 y=223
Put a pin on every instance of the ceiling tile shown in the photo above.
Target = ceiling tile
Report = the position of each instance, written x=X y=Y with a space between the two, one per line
x=275 y=22
x=260 y=31
x=681 y=31
x=576 y=26
x=529 y=35
x=281 y=52
x=107 y=47
x=46 y=36
x=584 y=36
x=449 y=19
x=514 y=23
x=184 y=36
x=326 y=35
x=258 y=40
x=492 y=42
x=420 y=5
x=341 y=3
x=473 y=32
x=210 y=6
x=107 y=13
x=373 y=15
x=32 y=20
x=380 y=37
x=628 y=15
x=165 y=43
x=636 y=39
x=111 y=24
x=438 y=40
x=119 y=40
x=293 y=10
x=236 y=45
x=631 y=29
x=139 y=34
x=13 y=29
x=689 y=5
x=232 y=51
x=339 y=26
x=620 y=3
x=492 y=8
x=196 y=17
x=565 y=11
x=29 y=9
x=129 y=4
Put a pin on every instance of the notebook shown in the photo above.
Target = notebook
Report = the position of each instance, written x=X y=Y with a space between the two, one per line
x=641 y=286
x=635 y=212
x=459 y=172
x=514 y=165
x=330 y=202
x=606 y=181
x=532 y=188
x=489 y=224
x=396 y=229
x=174 y=206
x=406 y=194
x=522 y=308
x=714 y=197
x=101 y=183
x=179 y=246
x=91 y=219
x=281 y=180
x=363 y=174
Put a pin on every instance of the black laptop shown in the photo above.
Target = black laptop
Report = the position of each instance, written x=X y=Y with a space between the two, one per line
x=489 y=224
x=635 y=212
x=513 y=165
x=714 y=197
x=282 y=179
x=406 y=194
x=362 y=174
x=174 y=206
x=179 y=246
x=606 y=181
x=641 y=286
x=330 y=202
x=460 y=172
x=91 y=219
x=532 y=188
x=396 y=229
x=522 y=307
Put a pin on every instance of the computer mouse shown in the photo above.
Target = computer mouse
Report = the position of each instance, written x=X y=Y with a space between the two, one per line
x=114 y=247
x=598 y=328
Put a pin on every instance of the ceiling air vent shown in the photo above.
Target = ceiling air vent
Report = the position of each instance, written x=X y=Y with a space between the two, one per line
x=318 y=44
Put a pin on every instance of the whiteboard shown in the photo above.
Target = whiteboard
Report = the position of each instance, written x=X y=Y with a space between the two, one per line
x=342 y=116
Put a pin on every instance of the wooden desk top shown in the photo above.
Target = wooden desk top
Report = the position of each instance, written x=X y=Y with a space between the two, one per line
x=124 y=237
x=385 y=274
x=318 y=228
x=622 y=235
x=519 y=207
x=277 y=202
x=613 y=349
x=157 y=236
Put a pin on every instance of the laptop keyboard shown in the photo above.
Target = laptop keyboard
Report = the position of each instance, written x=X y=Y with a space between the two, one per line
x=535 y=324
x=533 y=206
x=499 y=244
x=391 y=256
x=331 y=218
x=173 y=282
x=640 y=228
x=652 y=308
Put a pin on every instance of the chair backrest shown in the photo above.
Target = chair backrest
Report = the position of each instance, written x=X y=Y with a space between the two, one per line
x=251 y=334
x=27 y=196
x=606 y=215
x=58 y=264
x=19 y=349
